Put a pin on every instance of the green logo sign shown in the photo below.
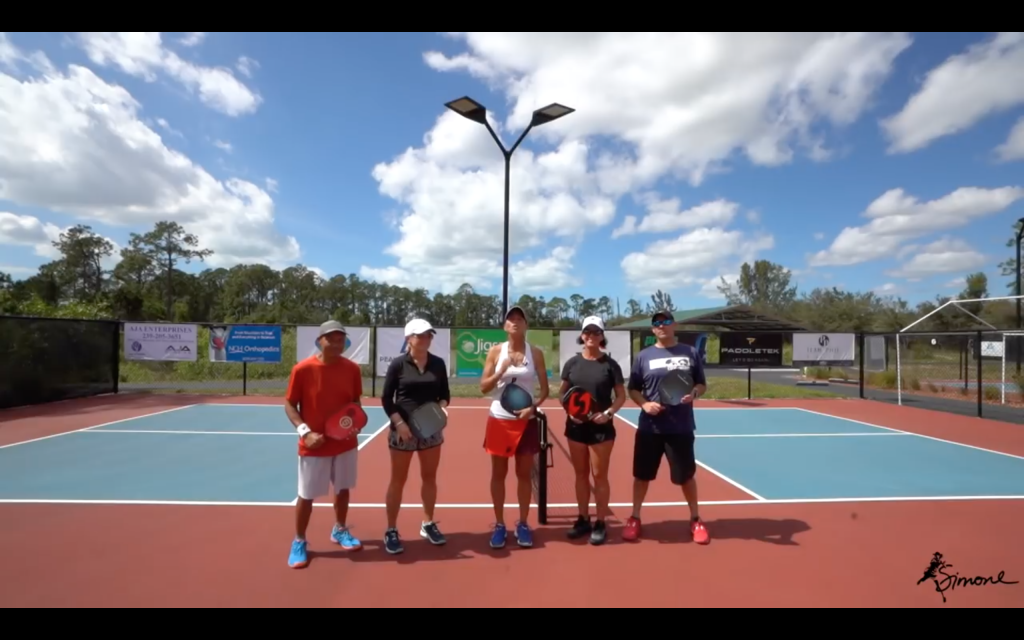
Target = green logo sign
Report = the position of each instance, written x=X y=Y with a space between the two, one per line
x=471 y=347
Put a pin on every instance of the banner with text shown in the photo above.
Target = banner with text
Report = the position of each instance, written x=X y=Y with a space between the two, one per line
x=739 y=349
x=472 y=345
x=698 y=341
x=177 y=342
x=357 y=343
x=619 y=343
x=245 y=343
x=391 y=344
x=824 y=349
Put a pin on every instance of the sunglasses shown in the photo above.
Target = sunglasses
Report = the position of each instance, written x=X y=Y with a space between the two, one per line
x=661 y=323
x=593 y=332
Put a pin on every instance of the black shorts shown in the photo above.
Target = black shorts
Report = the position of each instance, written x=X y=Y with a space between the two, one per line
x=678 y=448
x=589 y=434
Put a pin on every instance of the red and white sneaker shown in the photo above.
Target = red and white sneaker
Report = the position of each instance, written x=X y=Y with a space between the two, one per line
x=700 y=532
x=633 y=530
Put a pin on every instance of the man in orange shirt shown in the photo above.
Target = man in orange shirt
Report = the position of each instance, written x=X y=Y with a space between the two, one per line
x=321 y=385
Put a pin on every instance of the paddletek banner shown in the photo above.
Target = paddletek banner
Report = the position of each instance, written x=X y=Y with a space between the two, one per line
x=740 y=349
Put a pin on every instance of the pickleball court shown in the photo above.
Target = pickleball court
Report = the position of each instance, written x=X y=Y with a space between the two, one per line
x=190 y=504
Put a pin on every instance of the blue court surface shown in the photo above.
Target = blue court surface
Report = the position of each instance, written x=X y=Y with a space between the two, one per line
x=245 y=454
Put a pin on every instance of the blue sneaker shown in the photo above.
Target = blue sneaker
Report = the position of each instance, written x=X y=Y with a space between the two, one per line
x=499 y=536
x=341 y=536
x=393 y=542
x=298 y=559
x=523 y=535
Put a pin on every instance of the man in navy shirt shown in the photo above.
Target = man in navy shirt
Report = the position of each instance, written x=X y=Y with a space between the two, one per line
x=665 y=431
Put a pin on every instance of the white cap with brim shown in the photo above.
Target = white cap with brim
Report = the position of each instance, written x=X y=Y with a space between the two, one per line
x=593 y=321
x=418 y=327
x=516 y=308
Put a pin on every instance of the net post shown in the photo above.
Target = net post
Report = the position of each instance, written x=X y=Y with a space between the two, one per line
x=860 y=361
x=115 y=356
x=542 y=469
x=978 y=351
x=1002 y=375
x=899 y=372
x=750 y=384
x=245 y=378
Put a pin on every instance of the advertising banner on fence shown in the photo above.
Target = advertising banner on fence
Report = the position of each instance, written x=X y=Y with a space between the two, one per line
x=391 y=344
x=357 y=343
x=618 y=348
x=245 y=343
x=699 y=341
x=472 y=345
x=144 y=341
x=739 y=349
x=824 y=349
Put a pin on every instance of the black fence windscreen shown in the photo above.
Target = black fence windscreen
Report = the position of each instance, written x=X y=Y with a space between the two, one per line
x=45 y=359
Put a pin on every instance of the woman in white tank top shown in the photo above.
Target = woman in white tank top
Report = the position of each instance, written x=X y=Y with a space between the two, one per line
x=510 y=436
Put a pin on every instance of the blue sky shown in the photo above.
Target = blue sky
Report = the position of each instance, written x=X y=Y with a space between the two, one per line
x=335 y=151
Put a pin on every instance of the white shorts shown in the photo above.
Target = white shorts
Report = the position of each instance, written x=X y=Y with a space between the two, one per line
x=316 y=475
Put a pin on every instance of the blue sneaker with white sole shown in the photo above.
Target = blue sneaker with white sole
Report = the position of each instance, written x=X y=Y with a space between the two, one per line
x=499 y=536
x=343 y=538
x=298 y=558
x=524 y=536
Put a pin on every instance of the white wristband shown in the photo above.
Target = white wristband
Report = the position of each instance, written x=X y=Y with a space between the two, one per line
x=304 y=430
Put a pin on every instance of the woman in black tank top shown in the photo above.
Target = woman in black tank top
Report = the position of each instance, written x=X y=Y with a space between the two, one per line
x=591 y=443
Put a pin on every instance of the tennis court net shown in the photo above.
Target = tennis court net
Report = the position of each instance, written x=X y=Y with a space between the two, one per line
x=50 y=359
x=541 y=467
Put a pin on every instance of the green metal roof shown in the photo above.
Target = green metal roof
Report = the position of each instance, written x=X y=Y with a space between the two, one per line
x=735 y=318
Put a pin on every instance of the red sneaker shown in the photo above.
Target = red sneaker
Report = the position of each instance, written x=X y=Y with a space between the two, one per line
x=700 y=532
x=632 y=531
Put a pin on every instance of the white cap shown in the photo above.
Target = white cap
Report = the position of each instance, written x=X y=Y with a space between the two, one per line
x=417 y=327
x=593 y=321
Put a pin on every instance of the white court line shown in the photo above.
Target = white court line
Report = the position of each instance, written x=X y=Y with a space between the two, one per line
x=65 y=433
x=911 y=433
x=486 y=407
x=709 y=469
x=803 y=435
x=567 y=505
x=198 y=433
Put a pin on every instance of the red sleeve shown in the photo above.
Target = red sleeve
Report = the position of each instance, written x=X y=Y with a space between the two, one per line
x=294 y=393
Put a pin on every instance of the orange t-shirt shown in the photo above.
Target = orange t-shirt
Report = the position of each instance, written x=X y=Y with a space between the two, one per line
x=319 y=390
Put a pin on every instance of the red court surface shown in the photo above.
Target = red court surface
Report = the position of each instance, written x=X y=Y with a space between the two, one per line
x=855 y=554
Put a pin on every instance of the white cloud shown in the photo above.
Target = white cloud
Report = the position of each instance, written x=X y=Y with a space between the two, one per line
x=223 y=146
x=686 y=102
x=887 y=289
x=710 y=287
x=947 y=255
x=70 y=142
x=247 y=66
x=661 y=106
x=985 y=80
x=29 y=231
x=193 y=38
x=897 y=217
x=819 y=236
x=1013 y=148
x=664 y=216
x=693 y=257
x=143 y=55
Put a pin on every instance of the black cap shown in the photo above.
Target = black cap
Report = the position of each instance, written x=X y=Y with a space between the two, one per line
x=663 y=312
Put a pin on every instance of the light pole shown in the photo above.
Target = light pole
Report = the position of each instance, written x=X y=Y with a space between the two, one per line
x=1020 y=321
x=473 y=110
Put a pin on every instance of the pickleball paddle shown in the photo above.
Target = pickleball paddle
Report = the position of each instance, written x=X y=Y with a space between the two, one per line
x=515 y=398
x=675 y=386
x=346 y=423
x=579 y=404
x=428 y=420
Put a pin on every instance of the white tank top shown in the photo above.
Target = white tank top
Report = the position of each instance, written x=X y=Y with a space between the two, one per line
x=525 y=377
